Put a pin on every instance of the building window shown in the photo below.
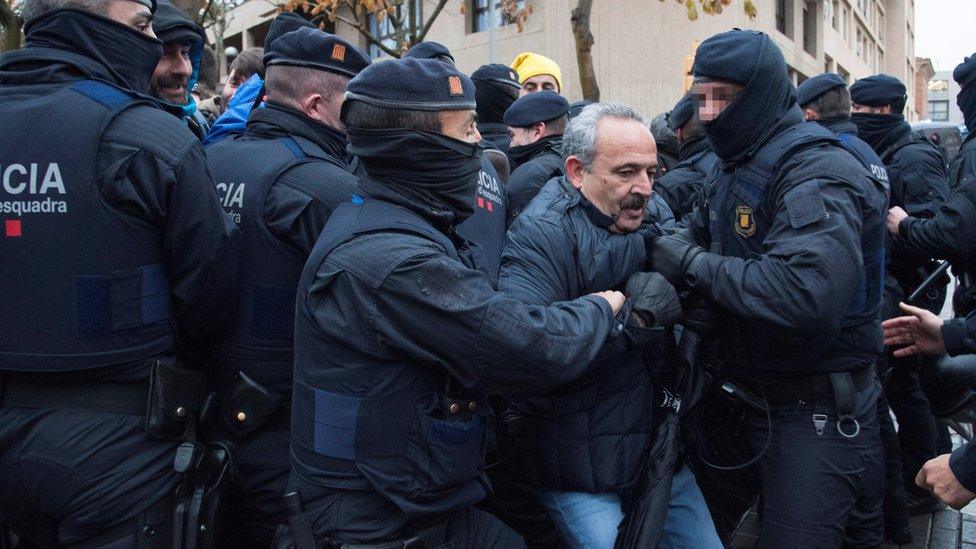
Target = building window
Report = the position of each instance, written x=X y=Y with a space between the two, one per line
x=835 y=15
x=938 y=85
x=810 y=29
x=781 y=16
x=384 y=29
x=939 y=111
x=481 y=14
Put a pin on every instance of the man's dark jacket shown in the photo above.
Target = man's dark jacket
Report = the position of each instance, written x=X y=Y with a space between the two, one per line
x=528 y=177
x=589 y=435
x=682 y=184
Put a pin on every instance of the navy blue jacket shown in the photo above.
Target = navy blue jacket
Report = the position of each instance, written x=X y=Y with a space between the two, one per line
x=919 y=185
x=681 y=185
x=149 y=173
x=797 y=234
x=950 y=233
x=528 y=178
x=393 y=317
x=279 y=181
x=589 y=435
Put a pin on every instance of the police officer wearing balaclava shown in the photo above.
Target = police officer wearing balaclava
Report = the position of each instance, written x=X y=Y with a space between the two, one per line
x=789 y=243
x=918 y=180
x=486 y=227
x=681 y=185
x=280 y=181
x=399 y=336
x=496 y=87
x=667 y=144
x=951 y=233
x=114 y=249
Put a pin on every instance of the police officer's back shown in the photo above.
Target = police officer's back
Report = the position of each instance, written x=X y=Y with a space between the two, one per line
x=795 y=229
x=114 y=247
x=280 y=181
x=535 y=124
x=399 y=337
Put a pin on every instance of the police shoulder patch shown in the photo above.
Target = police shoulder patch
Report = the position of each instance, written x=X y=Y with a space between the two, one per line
x=745 y=221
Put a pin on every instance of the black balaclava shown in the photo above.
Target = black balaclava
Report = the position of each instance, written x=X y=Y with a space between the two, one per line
x=437 y=171
x=126 y=56
x=880 y=130
x=749 y=58
x=965 y=76
x=493 y=100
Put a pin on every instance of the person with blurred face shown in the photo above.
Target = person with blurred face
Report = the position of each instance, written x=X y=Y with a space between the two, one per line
x=789 y=242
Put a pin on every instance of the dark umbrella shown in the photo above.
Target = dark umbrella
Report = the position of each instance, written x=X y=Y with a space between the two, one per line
x=644 y=523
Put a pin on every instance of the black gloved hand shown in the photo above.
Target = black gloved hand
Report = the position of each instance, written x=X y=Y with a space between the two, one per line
x=671 y=255
x=654 y=299
x=700 y=315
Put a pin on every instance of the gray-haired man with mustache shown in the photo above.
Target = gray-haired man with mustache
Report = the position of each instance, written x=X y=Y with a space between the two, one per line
x=579 y=448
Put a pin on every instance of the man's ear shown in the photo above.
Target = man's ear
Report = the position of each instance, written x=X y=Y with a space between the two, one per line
x=810 y=114
x=574 y=171
x=310 y=106
x=538 y=130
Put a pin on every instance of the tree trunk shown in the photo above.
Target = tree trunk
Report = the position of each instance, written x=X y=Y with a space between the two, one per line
x=584 y=49
x=11 y=27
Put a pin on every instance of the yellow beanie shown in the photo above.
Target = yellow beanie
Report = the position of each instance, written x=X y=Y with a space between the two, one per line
x=529 y=64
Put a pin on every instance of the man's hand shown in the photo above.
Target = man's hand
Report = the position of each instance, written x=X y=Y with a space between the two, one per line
x=700 y=314
x=671 y=256
x=615 y=299
x=654 y=299
x=937 y=477
x=895 y=215
x=920 y=333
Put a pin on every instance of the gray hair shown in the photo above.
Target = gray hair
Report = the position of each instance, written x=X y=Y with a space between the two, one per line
x=579 y=140
x=32 y=9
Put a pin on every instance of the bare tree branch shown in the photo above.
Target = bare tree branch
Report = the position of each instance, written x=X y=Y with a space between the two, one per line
x=580 y=20
x=430 y=20
x=369 y=35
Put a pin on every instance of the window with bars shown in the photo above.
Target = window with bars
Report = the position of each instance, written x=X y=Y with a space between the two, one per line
x=384 y=29
x=481 y=14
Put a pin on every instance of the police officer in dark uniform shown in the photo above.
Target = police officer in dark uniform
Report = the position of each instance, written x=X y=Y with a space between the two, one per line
x=496 y=88
x=486 y=227
x=918 y=181
x=399 y=337
x=280 y=180
x=789 y=242
x=826 y=100
x=179 y=67
x=681 y=185
x=951 y=233
x=116 y=254
x=535 y=124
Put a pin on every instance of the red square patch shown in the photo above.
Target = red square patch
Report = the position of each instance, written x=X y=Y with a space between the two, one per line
x=12 y=227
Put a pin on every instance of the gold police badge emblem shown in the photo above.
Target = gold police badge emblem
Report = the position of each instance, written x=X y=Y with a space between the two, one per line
x=745 y=222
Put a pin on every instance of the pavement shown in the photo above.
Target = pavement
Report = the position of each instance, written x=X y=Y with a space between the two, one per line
x=946 y=529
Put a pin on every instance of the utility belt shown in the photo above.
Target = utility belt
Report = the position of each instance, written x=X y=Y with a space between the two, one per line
x=816 y=388
x=169 y=400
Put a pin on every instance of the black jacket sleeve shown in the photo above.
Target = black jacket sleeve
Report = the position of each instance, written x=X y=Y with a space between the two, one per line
x=152 y=168
x=808 y=274
x=302 y=199
x=951 y=233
